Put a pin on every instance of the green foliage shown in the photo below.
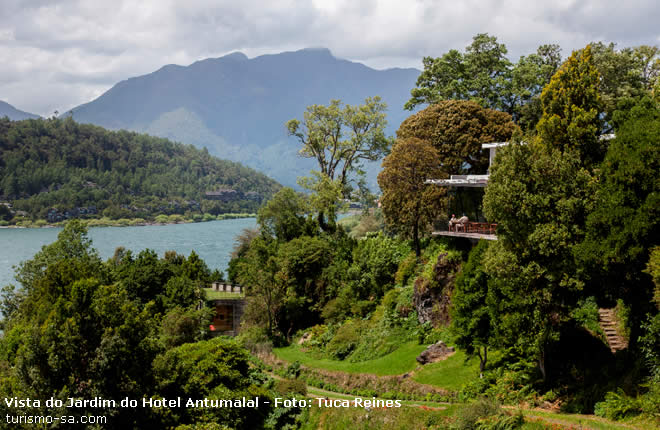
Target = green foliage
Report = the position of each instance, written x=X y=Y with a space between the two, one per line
x=346 y=339
x=653 y=269
x=626 y=74
x=213 y=369
x=65 y=165
x=586 y=314
x=368 y=223
x=181 y=290
x=650 y=345
x=181 y=325
x=475 y=75
x=617 y=405
x=483 y=74
x=539 y=197
x=285 y=215
x=457 y=129
x=485 y=414
x=410 y=205
x=398 y=362
x=291 y=386
x=571 y=108
x=627 y=210
x=375 y=261
x=406 y=270
x=340 y=137
x=473 y=317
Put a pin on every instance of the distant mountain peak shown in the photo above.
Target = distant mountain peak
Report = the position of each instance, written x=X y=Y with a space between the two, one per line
x=317 y=50
x=236 y=56
x=14 y=114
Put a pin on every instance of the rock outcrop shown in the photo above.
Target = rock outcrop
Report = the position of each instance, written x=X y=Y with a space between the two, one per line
x=436 y=352
x=432 y=298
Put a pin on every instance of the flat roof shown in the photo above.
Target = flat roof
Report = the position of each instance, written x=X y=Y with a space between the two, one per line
x=493 y=144
x=461 y=181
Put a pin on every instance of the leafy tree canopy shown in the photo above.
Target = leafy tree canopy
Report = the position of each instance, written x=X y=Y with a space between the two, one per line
x=456 y=129
x=572 y=107
x=410 y=205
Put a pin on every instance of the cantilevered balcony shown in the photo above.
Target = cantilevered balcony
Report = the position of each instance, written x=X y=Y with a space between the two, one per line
x=470 y=230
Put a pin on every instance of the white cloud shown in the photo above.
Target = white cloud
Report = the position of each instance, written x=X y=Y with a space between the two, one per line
x=58 y=54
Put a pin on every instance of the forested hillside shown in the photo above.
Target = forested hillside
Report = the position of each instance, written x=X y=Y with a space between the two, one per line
x=236 y=107
x=86 y=170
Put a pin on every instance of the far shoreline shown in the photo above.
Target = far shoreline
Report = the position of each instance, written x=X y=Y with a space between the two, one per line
x=129 y=222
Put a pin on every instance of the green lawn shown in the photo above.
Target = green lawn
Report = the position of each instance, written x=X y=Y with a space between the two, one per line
x=450 y=374
x=211 y=294
x=396 y=363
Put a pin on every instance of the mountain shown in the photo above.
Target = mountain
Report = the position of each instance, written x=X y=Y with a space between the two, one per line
x=7 y=110
x=237 y=107
x=57 y=168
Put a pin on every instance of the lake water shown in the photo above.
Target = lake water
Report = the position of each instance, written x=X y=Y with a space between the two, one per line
x=212 y=241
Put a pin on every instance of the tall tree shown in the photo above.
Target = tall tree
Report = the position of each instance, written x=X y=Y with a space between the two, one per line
x=472 y=313
x=540 y=194
x=572 y=107
x=623 y=227
x=285 y=215
x=477 y=75
x=528 y=78
x=457 y=129
x=539 y=197
x=483 y=74
x=340 y=138
x=626 y=74
x=409 y=205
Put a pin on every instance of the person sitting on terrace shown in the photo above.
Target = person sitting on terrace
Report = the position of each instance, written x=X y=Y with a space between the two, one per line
x=462 y=221
x=452 y=221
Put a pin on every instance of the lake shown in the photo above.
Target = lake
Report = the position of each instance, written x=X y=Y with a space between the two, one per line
x=212 y=241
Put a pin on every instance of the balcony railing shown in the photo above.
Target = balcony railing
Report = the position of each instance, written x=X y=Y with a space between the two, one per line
x=471 y=230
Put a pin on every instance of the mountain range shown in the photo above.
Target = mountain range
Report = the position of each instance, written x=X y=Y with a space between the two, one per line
x=237 y=107
x=7 y=110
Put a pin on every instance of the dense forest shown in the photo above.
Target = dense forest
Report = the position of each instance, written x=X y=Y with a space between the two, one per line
x=85 y=170
x=560 y=315
x=558 y=311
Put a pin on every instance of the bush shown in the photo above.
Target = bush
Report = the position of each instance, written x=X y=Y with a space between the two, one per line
x=293 y=370
x=345 y=340
x=291 y=386
x=617 y=405
x=586 y=314
x=486 y=414
x=406 y=270
x=255 y=339
x=468 y=416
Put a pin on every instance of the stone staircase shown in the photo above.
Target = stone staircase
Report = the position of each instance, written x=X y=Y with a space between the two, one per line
x=608 y=322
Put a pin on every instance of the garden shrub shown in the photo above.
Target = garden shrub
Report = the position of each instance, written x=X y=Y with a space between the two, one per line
x=345 y=340
x=586 y=314
x=406 y=270
x=291 y=386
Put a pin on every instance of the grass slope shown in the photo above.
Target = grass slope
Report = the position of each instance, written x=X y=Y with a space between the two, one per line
x=450 y=374
x=396 y=363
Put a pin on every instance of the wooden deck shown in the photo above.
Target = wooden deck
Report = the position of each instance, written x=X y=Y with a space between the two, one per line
x=471 y=230
x=466 y=235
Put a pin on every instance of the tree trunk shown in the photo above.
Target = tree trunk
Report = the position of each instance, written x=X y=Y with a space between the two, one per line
x=482 y=361
x=542 y=363
x=321 y=221
x=418 y=250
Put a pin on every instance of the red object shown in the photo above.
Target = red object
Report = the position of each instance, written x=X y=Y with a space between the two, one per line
x=211 y=327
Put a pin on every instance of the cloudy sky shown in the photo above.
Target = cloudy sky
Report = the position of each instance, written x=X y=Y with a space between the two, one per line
x=56 y=54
